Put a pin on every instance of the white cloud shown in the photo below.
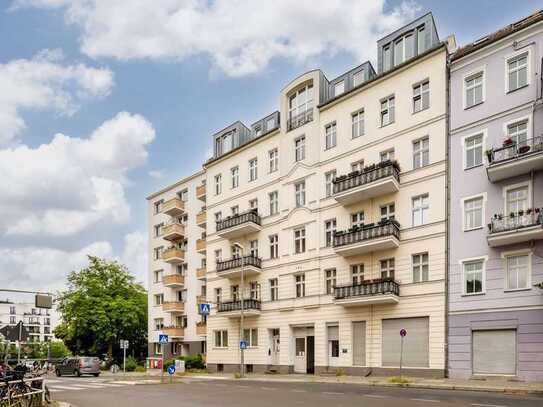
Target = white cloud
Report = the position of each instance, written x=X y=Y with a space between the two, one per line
x=45 y=83
x=69 y=184
x=157 y=174
x=240 y=37
x=134 y=255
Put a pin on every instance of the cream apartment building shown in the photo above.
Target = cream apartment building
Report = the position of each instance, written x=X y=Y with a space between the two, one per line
x=336 y=207
x=177 y=261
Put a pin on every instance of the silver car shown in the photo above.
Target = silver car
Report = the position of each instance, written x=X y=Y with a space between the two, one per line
x=79 y=365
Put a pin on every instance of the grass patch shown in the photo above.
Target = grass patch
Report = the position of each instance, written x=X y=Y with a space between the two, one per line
x=340 y=372
x=237 y=375
x=197 y=371
x=398 y=380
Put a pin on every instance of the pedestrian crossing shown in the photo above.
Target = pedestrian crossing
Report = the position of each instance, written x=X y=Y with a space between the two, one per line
x=78 y=384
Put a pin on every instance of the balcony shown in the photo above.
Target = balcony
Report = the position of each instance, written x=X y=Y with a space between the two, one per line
x=300 y=119
x=379 y=291
x=374 y=180
x=201 y=219
x=252 y=265
x=174 y=207
x=201 y=245
x=175 y=307
x=173 y=280
x=233 y=308
x=201 y=329
x=173 y=255
x=173 y=231
x=201 y=192
x=368 y=238
x=239 y=225
x=201 y=273
x=514 y=159
x=520 y=227
x=174 y=331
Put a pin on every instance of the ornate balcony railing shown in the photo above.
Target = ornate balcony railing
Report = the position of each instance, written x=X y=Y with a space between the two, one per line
x=230 y=306
x=367 y=175
x=389 y=227
x=237 y=262
x=514 y=221
x=236 y=220
x=511 y=150
x=367 y=288
x=300 y=119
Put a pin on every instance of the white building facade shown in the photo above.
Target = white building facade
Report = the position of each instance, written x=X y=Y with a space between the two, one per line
x=39 y=322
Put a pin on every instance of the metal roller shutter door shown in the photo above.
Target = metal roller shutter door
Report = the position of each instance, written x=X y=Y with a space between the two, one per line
x=415 y=346
x=359 y=343
x=333 y=333
x=494 y=351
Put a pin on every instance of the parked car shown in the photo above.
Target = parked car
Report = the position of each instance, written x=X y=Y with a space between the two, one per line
x=79 y=365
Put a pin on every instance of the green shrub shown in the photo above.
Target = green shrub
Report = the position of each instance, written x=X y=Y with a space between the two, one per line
x=131 y=364
x=194 y=362
x=398 y=380
x=140 y=369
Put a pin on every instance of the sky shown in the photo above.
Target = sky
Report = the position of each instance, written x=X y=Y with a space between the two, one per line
x=103 y=102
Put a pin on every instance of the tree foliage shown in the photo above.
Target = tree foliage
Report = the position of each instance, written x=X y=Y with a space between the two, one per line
x=103 y=304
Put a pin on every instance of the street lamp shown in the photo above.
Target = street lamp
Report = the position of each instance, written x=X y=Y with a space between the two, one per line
x=242 y=289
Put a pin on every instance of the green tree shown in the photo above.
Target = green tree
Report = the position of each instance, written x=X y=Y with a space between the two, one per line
x=103 y=304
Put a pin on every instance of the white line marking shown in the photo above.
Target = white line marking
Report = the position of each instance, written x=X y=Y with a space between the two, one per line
x=299 y=391
x=67 y=388
x=427 y=400
x=267 y=388
x=331 y=392
x=488 y=405
x=377 y=396
x=243 y=387
x=111 y=385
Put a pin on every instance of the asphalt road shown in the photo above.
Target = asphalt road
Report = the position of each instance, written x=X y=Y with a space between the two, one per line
x=238 y=393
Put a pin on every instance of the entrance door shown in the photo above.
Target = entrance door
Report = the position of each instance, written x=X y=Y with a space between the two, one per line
x=333 y=346
x=274 y=347
x=300 y=355
x=311 y=354
x=494 y=352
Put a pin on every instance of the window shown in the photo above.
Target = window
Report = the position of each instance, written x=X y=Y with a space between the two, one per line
x=218 y=295
x=253 y=204
x=225 y=142
x=258 y=130
x=299 y=240
x=218 y=255
x=234 y=210
x=330 y=135
x=254 y=290
x=159 y=324
x=184 y=195
x=159 y=299
x=404 y=48
x=421 y=152
x=473 y=277
x=421 y=41
x=387 y=211
x=357 y=273
x=274 y=246
x=518 y=271
x=236 y=251
x=421 y=96
x=339 y=88
x=386 y=57
x=274 y=289
x=221 y=339
x=234 y=292
x=12 y=320
x=387 y=268
x=253 y=169
x=158 y=229
x=387 y=155
x=358 y=78
x=420 y=267
x=157 y=276
x=274 y=160
x=270 y=124
x=250 y=335
x=301 y=101
x=329 y=230
x=516 y=200
x=157 y=348
x=158 y=206
x=12 y=310
x=299 y=148
x=218 y=184
x=357 y=120
x=299 y=189
x=473 y=213
x=421 y=209
x=387 y=111
x=473 y=147
x=517 y=72
x=300 y=285
x=357 y=218
x=235 y=177
x=474 y=89
x=157 y=252
x=274 y=202
x=253 y=248
x=218 y=216
x=518 y=132
x=357 y=165
x=329 y=182
x=330 y=279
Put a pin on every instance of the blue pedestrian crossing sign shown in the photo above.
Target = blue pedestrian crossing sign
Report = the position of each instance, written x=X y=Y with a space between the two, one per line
x=243 y=345
x=171 y=369
x=204 y=309
x=162 y=338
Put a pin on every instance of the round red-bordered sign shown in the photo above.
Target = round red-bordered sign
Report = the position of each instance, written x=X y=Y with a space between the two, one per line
x=403 y=332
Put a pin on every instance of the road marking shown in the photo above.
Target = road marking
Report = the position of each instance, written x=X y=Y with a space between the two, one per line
x=243 y=387
x=299 y=391
x=267 y=388
x=377 y=396
x=66 y=388
x=488 y=405
x=331 y=392
x=91 y=386
x=427 y=400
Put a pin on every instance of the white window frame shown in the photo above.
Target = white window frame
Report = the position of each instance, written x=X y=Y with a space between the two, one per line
x=528 y=68
x=420 y=208
x=482 y=132
x=330 y=280
x=299 y=281
x=218 y=184
x=274 y=289
x=253 y=169
x=505 y=256
x=358 y=75
x=249 y=339
x=420 y=266
x=299 y=194
x=358 y=124
x=234 y=172
x=300 y=241
x=330 y=135
x=483 y=196
x=329 y=178
x=222 y=335
x=388 y=109
x=462 y=263
x=421 y=152
x=507 y=188
x=273 y=241
x=330 y=226
x=357 y=273
x=299 y=148
x=420 y=95
x=274 y=202
x=386 y=153
x=341 y=86
x=527 y=119
x=464 y=88
x=273 y=156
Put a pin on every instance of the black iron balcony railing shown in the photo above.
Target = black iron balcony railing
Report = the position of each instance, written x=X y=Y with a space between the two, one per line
x=367 y=175
x=248 y=304
x=237 y=262
x=367 y=288
x=512 y=149
x=300 y=119
x=388 y=227
x=236 y=220
x=514 y=221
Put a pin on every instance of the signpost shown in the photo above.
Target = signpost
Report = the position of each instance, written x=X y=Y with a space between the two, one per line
x=204 y=309
x=171 y=371
x=124 y=346
x=163 y=340
x=403 y=334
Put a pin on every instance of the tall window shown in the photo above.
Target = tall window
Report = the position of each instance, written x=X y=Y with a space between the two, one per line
x=404 y=48
x=339 y=88
x=250 y=336
x=158 y=206
x=518 y=132
x=357 y=218
x=473 y=147
x=421 y=209
x=158 y=229
x=420 y=267
x=357 y=165
x=234 y=292
x=387 y=54
x=330 y=135
x=299 y=240
x=157 y=252
x=274 y=289
x=218 y=216
x=300 y=285
x=235 y=176
x=274 y=202
x=388 y=211
x=253 y=248
x=474 y=89
x=328 y=182
x=421 y=152
x=387 y=111
x=253 y=204
x=421 y=43
x=517 y=72
x=330 y=280
x=299 y=148
x=329 y=230
x=473 y=213
x=218 y=255
x=299 y=189
x=387 y=268
x=218 y=184
x=358 y=78
x=274 y=160
x=473 y=277
x=159 y=299
x=158 y=276
x=386 y=155
x=517 y=200
x=253 y=169
x=358 y=128
x=235 y=210
x=518 y=269
x=218 y=295
x=421 y=96
x=221 y=339
x=274 y=246
x=254 y=290
x=301 y=101
x=357 y=273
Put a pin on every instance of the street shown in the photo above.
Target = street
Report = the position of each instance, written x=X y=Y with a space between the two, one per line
x=226 y=393
x=57 y=385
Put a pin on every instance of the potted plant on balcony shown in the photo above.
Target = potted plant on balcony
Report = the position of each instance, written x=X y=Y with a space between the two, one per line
x=523 y=149
x=489 y=155
x=507 y=142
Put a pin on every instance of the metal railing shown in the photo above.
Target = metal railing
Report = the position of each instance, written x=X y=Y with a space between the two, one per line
x=18 y=391
x=389 y=227
x=236 y=220
x=367 y=175
x=248 y=304
x=367 y=288
x=300 y=119
x=237 y=262
x=515 y=150
x=514 y=221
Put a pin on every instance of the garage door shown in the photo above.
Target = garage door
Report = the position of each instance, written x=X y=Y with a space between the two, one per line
x=415 y=346
x=494 y=352
x=359 y=343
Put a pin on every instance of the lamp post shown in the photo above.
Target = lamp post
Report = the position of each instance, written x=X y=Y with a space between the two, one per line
x=242 y=288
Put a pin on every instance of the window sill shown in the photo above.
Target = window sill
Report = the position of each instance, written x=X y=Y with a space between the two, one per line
x=474 y=294
x=472 y=106
x=474 y=166
x=421 y=110
x=472 y=229
x=509 y=91
x=512 y=290
x=385 y=125
x=330 y=148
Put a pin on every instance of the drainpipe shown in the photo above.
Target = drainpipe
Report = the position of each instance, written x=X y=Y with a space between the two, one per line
x=447 y=212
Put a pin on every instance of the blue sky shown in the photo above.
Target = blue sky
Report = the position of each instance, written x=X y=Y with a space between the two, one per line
x=178 y=83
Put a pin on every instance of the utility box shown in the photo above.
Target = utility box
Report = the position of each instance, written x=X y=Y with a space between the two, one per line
x=179 y=366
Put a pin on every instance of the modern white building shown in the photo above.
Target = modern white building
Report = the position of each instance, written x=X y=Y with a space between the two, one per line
x=40 y=322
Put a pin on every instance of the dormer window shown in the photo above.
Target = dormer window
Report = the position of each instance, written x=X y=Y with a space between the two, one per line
x=421 y=40
x=224 y=143
x=358 y=78
x=339 y=88
x=258 y=130
x=300 y=107
x=386 y=57
x=270 y=124
x=404 y=48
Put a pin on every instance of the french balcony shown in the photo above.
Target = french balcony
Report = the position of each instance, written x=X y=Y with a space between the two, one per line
x=173 y=231
x=173 y=255
x=173 y=280
x=174 y=307
x=232 y=309
x=375 y=180
x=201 y=192
x=513 y=159
x=201 y=329
x=379 y=291
x=174 y=207
x=520 y=227
x=174 y=331
x=231 y=268
x=298 y=120
x=201 y=245
x=368 y=238
x=201 y=219
x=239 y=225
x=201 y=273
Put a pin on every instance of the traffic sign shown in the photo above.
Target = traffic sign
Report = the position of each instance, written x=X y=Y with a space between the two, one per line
x=403 y=332
x=205 y=308
x=171 y=370
x=243 y=345
x=124 y=344
x=163 y=338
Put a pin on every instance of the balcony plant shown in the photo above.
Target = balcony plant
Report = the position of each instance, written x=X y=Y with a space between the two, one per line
x=523 y=149
x=489 y=154
x=507 y=142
